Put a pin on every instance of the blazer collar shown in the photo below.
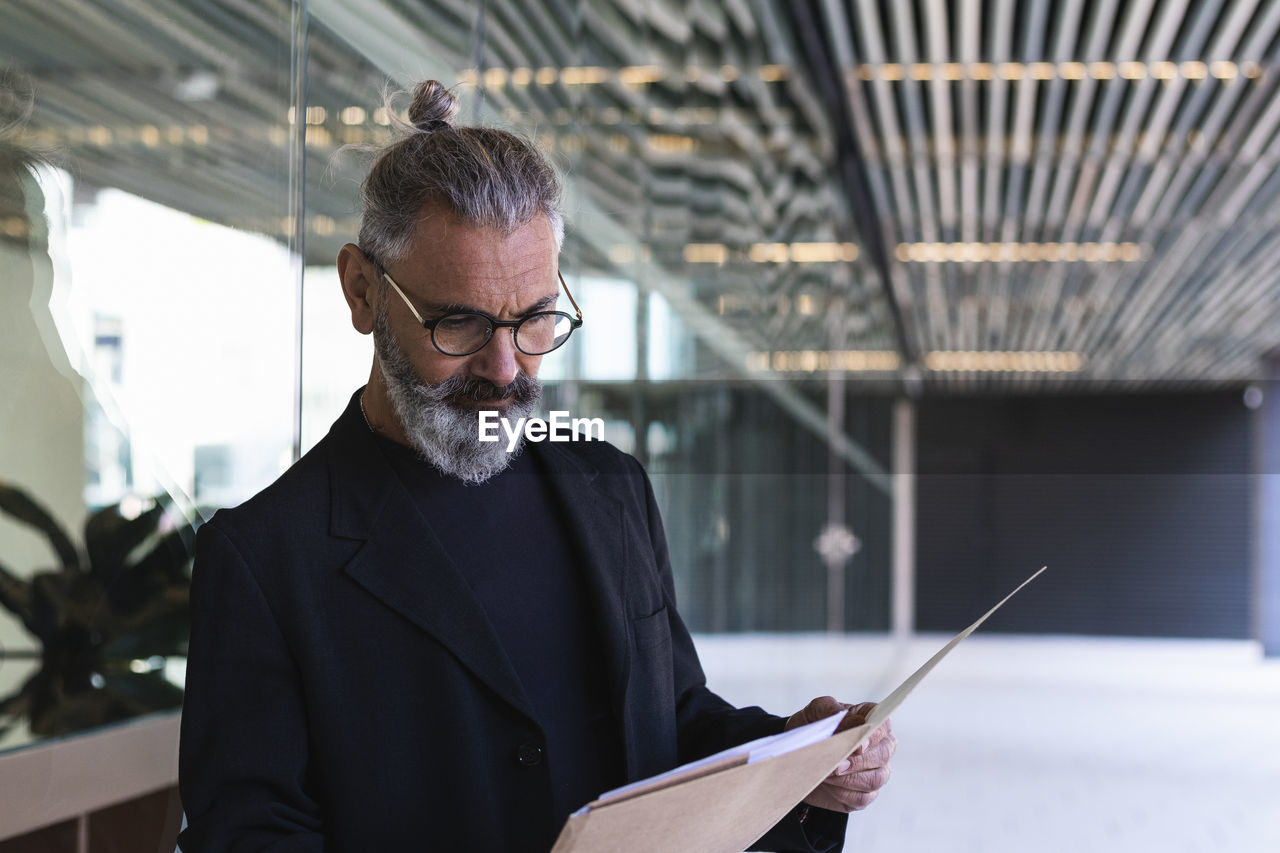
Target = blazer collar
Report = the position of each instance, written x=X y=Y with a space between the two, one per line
x=403 y=564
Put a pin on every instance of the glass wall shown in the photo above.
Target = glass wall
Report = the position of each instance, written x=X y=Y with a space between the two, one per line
x=149 y=346
x=176 y=182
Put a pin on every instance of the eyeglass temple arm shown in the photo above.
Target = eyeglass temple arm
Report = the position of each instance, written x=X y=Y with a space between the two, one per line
x=572 y=301
x=416 y=315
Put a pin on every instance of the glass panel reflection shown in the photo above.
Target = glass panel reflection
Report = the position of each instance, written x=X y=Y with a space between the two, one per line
x=147 y=335
x=707 y=232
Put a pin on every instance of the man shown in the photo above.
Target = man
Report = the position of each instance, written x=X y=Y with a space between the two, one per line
x=418 y=641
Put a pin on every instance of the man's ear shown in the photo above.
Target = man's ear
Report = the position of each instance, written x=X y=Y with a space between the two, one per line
x=358 y=276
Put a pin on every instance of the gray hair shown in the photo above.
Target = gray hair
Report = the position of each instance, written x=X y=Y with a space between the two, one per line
x=482 y=175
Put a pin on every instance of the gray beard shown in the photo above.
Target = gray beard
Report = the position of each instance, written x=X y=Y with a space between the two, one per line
x=435 y=419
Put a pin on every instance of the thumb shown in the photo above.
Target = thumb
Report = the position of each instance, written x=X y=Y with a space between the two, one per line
x=823 y=706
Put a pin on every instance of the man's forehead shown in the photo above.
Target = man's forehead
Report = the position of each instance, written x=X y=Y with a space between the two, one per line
x=438 y=227
x=450 y=260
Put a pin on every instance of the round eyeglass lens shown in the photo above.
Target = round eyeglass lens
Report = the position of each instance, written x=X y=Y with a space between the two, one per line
x=542 y=333
x=461 y=334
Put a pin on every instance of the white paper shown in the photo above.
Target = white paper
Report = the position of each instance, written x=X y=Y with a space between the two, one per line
x=756 y=750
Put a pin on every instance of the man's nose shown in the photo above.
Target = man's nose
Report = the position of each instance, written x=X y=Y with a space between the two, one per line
x=496 y=362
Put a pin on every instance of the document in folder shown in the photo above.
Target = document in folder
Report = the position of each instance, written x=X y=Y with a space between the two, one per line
x=722 y=803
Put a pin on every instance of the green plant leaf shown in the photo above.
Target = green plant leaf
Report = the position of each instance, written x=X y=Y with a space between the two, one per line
x=110 y=538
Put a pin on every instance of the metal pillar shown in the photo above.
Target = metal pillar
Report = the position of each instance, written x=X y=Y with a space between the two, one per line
x=836 y=542
x=902 y=612
x=1268 y=513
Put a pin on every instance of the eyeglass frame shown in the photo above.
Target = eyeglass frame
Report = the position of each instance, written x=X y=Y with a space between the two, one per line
x=494 y=323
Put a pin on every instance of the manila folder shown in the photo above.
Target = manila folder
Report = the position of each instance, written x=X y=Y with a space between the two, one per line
x=724 y=810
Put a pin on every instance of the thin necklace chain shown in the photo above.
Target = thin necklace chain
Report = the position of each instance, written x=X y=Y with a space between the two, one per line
x=365 y=414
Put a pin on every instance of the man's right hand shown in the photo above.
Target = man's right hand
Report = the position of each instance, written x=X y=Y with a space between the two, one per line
x=859 y=777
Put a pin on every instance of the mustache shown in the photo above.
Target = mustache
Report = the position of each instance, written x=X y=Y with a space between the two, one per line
x=523 y=390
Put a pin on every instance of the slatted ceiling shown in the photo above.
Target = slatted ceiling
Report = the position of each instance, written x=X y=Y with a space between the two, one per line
x=1184 y=167
x=1093 y=159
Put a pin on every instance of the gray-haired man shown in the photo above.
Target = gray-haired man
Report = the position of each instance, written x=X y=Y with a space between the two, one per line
x=416 y=640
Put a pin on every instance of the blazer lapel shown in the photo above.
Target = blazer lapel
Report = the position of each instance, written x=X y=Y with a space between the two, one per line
x=403 y=564
x=595 y=525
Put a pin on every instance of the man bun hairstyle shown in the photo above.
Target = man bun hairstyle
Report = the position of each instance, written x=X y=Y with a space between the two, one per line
x=434 y=107
x=482 y=175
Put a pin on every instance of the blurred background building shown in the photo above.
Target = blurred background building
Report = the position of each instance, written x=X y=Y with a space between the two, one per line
x=897 y=302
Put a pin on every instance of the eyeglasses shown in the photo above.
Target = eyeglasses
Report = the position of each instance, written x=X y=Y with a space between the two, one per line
x=465 y=332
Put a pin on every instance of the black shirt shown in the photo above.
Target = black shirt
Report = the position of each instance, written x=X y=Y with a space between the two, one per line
x=518 y=558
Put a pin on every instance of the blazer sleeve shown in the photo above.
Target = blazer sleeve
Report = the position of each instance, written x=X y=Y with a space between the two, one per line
x=706 y=723
x=243 y=752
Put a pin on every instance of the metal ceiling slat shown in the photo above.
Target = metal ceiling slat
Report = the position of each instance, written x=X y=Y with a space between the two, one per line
x=1105 y=218
x=1242 y=122
x=1186 y=161
x=1232 y=188
x=879 y=173
x=969 y=45
x=1223 y=44
x=1058 y=226
x=904 y=44
x=1233 y=293
x=1167 y=20
x=1000 y=38
x=1161 y=132
x=837 y=24
x=1068 y=27
x=937 y=27
x=1042 y=290
x=1031 y=49
x=867 y=22
x=934 y=304
x=1084 y=145
x=1235 y=290
x=1073 y=143
x=1223 y=262
x=1132 y=27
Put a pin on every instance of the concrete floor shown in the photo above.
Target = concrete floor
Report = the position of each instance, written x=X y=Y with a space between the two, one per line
x=1045 y=743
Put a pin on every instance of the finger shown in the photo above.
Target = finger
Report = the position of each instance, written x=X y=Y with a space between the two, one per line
x=825 y=706
x=865 y=781
x=881 y=733
x=876 y=756
x=874 y=760
x=863 y=709
x=840 y=800
x=820 y=708
x=857 y=715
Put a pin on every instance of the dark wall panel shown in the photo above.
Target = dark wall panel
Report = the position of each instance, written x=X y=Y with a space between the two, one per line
x=744 y=497
x=1140 y=506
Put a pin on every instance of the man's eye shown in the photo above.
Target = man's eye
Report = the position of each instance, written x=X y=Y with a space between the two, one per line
x=459 y=323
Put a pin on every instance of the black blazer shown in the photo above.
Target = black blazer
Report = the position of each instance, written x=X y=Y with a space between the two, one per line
x=346 y=692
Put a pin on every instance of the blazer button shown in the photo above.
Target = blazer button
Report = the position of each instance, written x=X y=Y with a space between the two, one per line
x=529 y=754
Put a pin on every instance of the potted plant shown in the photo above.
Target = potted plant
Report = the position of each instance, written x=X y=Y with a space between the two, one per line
x=106 y=618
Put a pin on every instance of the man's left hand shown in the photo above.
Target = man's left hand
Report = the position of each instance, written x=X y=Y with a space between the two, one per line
x=858 y=778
